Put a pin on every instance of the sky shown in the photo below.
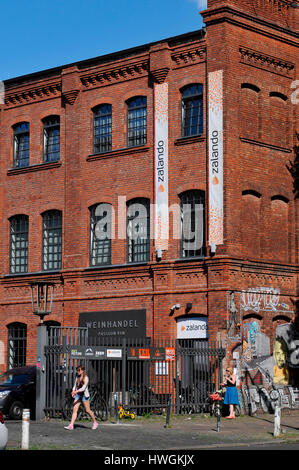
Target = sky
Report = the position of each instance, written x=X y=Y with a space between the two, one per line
x=41 y=34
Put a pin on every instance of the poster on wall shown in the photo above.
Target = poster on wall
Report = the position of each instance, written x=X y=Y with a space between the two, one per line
x=215 y=103
x=161 y=166
x=192 y=328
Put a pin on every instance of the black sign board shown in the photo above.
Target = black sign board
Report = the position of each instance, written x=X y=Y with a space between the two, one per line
x=119 y=323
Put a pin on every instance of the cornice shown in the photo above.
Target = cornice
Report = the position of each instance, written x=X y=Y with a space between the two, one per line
x=28 y=95
x=266 y=62
x=184 y=56
x=232 y=15
x=107 y=76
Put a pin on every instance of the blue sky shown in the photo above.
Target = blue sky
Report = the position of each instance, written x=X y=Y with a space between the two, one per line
x=40 y=34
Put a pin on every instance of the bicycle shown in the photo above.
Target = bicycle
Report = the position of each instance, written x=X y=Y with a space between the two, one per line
x=97 y=404
x=125 y=413
x=216 y=403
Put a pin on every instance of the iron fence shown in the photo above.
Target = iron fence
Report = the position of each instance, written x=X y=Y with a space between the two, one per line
x=143 y=374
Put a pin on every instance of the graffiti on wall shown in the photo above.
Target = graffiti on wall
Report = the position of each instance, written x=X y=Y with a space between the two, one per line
x=267 y=368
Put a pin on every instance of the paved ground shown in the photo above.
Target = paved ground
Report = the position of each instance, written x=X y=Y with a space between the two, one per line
x=183 y=434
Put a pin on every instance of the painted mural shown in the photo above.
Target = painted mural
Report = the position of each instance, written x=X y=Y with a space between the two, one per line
x=267 y=367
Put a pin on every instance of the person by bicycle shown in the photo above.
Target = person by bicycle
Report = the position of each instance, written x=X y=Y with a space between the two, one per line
x=80 y=394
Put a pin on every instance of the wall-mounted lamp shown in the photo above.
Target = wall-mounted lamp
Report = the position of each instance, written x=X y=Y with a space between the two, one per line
x=42 y=298
x=188 y=306
x=158 y=254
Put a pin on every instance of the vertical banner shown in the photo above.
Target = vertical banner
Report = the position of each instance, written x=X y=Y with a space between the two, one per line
x=161 y=166
x=215 y=104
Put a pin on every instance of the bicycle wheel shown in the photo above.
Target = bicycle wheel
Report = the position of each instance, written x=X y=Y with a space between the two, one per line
x=67 y=409
x=100 y=408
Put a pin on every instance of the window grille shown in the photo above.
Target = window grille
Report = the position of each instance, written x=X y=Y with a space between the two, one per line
x=52 y=240
x=102 y=128
x=16 y=345
x=137 y=121
x=100 y=234
x=192 y=110
x=21 y=145
x=52 y=139
x=192 y=224
x=18 y=244
x=138 y=230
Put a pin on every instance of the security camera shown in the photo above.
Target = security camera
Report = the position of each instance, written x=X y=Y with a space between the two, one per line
x=175 y=307
x=213 y=248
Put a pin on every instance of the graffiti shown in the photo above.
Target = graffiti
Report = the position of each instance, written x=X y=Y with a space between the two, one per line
x=256 y=398
x=233 y=323
x=259 y=299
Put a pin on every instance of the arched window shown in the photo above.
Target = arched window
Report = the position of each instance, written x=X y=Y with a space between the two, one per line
x=102 y=128
x=21 y=145
x=136 y=121
x=192 y=223
x=192 y=110
x=249 y=111
x=51 y=138
x=52 y=240
x=138 y=230
x=100 y=234
x=16 y=345
x=18 y=252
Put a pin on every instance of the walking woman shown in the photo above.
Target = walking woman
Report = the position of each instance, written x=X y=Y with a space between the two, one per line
x=231 y=394
x=81 y=395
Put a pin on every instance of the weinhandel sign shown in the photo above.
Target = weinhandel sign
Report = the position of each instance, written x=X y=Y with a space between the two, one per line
x=120 y=323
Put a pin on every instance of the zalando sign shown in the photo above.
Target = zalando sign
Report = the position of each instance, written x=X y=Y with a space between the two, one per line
x=192 y=328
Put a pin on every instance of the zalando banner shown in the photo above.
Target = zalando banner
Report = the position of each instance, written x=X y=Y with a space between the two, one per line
x=215 y=103
x=192 y=328
x=161 y=166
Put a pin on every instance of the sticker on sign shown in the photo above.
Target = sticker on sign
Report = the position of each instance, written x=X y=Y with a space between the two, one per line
x=115 y=353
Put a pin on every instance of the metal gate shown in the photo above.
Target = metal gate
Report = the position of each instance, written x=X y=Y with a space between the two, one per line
x=143 y=374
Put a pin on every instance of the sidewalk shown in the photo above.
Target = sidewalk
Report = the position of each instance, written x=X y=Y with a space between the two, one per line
x=183 y=433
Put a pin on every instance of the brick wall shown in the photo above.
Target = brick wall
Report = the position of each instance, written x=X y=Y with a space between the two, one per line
x=260 y=232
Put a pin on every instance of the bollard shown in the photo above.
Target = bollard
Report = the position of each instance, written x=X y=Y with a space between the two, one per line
x=218 y=416
x=116 y=408
x=168 y=414
x=277 y=430
x=25 y=429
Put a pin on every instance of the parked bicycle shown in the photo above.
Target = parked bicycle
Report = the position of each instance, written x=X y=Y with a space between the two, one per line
x=97 y=404
x=124 y=412
x=215 y=404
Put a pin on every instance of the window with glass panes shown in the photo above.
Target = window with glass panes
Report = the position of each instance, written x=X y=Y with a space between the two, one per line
x=16 y=345
x=51 y=139
x=192 y=110
x=138 y=230
x=192 y=224
x=21 y=145
x=136 y=121
x=52 y=240
x=102 y=128
x=18 y=244
x=100 y=234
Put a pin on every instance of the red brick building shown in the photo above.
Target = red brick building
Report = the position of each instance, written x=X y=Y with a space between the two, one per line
x=212 y=116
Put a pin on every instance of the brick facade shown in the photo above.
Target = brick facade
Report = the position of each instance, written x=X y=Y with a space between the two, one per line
x=257 y=51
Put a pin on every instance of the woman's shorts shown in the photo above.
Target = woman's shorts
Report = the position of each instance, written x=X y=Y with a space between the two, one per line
x=79 y=397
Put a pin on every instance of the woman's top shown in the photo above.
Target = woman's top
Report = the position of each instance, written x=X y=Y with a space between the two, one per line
x=229 y=384
x=82 y=387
